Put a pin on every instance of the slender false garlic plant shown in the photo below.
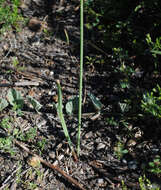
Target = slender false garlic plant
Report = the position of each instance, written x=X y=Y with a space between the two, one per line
x=59 y=109
x=81 y=75
x=61 y=116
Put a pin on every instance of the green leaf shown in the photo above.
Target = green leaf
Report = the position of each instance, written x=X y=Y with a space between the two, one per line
x=124 y=107
x=3 y=104
x=72 y=105
x=96 y=102
x=137 y=8
x=61 y=116
x=124 y=84
x=15 y=99
x=156 y=52
x=125 y=151
x=35 y=104
x=55 y=106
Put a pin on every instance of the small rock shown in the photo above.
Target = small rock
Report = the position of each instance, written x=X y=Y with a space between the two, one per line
x=52 y=155
x=81 y=172
x=100 y=146
x=23 y=6
x=88 y=135
x=138 y=134
x=100 y=181
x=124 y=161
x=34 y=161
x=51 y=73
x=5 y=47
x=131 y=143
x=132 y=165
x=34 y=24
x=155 y=150
x=60 y=157
x=156 y=185
x=55 y=163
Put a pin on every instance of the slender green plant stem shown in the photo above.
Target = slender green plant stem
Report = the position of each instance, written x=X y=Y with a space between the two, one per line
x=61 y=116
x=81 y=77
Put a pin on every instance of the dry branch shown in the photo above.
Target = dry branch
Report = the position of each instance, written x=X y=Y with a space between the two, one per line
x=21 y=83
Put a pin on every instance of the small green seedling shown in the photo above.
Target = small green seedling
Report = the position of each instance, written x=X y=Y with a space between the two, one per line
x=72 y=105
x=41 y=144
x=5 y=123
x=145 y=184
x=151 y=102
x=119 y=150
x=15 y=99
x=96 y=102
x=124 y=187
x=112 y=121
x=3 y=104
x=35 y=104
x=15 y=62
x=155 y=165
x=27 y=136
x=6 y=145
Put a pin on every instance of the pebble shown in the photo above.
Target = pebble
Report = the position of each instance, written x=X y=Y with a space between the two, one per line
x=23 y=6
x=52 y=155
x=81 y=172
x=155 y=186
x=34 y=24
x=138 y=134
x=88 y=135
x=34 y=161
x=155 y=150
x=51 y=93
x=5 y=47
x=100 y=181
x=131 y=143
x=51 y=73
x=100 y=146
x=132 y=165
x=60 y=157
x=124 y=161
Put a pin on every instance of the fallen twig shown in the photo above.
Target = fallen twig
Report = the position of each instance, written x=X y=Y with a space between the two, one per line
x=21 y=83
x=54 y=167
x=96 y=47
x=29 y=73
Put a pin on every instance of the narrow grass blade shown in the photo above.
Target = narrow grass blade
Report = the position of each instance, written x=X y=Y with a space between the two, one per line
x=81 y=76
x=61 y=116
x=67 y=36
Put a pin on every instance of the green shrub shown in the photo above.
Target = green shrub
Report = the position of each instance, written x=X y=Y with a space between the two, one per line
x=9 y=15
x=155 y=165
x=151 y=102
